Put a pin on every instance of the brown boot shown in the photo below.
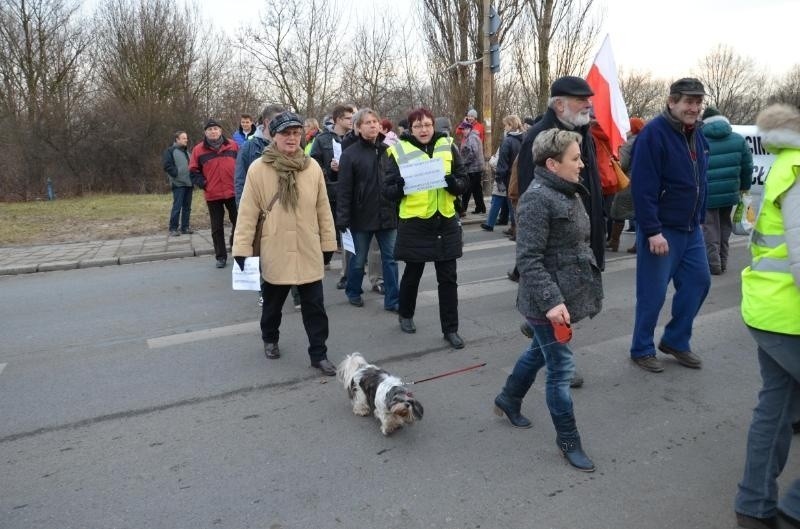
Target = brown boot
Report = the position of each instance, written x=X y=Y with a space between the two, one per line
x=632 y=249
x=616 y=231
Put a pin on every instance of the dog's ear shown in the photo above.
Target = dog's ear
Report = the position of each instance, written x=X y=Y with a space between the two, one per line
x=416 y=407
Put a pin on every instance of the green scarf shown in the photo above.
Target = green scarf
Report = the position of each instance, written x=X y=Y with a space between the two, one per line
x=287 y=168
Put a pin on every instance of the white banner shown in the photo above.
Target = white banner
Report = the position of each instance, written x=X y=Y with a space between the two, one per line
x=762 y=160
x=422 y=176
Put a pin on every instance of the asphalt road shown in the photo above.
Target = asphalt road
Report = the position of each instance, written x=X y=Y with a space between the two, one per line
x=138 y=396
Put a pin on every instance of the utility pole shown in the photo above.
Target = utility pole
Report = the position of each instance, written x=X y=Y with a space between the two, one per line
x=488 y=80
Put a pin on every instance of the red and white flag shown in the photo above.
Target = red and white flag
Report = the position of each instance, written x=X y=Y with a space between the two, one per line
x=609 y=107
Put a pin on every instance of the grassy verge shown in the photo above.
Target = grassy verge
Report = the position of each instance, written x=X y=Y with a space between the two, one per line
x=95 y=217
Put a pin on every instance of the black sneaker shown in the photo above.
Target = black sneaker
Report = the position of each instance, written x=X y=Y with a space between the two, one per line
x=222 y=262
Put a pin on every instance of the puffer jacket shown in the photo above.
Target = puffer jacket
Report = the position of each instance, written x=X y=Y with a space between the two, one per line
x=472 y=152
x=292 y=241
x=555 y=262
x=730 y=163
x=360 y=204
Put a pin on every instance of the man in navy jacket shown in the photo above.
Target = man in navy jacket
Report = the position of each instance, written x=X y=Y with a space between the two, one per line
x=670 y=160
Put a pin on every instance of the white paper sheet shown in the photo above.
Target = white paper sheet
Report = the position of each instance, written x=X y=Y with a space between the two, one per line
x=347 y=242
x=337 y=150
x=250 y=278
x=422 y=176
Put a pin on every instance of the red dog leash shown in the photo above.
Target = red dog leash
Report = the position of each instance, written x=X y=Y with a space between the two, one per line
x=476 y=366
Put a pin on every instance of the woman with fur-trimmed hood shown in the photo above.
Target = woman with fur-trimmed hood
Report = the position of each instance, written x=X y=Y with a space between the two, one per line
x=771 y=311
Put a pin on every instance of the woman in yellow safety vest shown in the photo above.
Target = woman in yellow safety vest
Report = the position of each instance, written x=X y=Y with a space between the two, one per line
x=429 y=228
x=771 y=311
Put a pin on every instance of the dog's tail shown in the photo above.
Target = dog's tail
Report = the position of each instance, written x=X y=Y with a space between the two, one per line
x=348 y=367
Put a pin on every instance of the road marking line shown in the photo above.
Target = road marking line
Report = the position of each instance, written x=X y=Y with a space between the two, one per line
x=249 y=327
x=2 y=366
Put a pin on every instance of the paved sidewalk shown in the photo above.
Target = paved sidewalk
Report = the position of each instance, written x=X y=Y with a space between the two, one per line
x=69 y=256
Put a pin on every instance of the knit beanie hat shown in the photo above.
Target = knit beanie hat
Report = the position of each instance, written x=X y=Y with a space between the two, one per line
x=212 y=123
x=711 y=112
x=637 y=124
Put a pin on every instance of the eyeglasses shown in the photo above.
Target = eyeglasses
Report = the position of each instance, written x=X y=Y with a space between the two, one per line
x=420 y=126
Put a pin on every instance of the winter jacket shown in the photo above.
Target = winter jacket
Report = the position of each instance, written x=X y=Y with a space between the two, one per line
x=608 y=177
x=292 y=241
x=669 y=184
x=322 y=152
x=360 y=204
x=240 y=137
x=730 y=163
x=472 y=152
x=593 y=202
x=248 y=153
x=509 y=150
x=437 y=238
x=175 y=161
x=555 y=263
x=213 y=168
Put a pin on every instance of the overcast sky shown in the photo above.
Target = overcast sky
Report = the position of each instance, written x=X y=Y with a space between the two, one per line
x=666 y=37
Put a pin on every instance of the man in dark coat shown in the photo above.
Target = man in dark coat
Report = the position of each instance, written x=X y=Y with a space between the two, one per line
x=362 y=208
x=568 y=109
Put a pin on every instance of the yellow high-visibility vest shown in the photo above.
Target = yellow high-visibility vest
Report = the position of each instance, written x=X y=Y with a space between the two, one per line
x=424 y=204
x=770 y=297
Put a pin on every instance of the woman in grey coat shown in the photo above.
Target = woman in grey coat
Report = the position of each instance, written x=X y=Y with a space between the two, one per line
x=559 y=284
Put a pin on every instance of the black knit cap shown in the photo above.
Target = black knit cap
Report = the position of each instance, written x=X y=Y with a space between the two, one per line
x=283 y=121
x=569 y=85
x=212 y=123
x=687 y=86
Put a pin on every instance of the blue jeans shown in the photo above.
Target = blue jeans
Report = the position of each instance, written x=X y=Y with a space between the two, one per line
x=181 y=202
x=546 y=351
x=686 y=265
x=494 y=210
x=770 y=434
x=355 y=269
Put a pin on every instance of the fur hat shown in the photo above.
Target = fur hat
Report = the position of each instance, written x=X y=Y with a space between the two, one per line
x=637 y=124
x=212 y=123
x=779 y=126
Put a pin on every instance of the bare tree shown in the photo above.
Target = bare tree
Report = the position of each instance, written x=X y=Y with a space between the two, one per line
x=643 y=95
x=564 y=32
x=787 y=89
x=372 y=72
x=150 y=72
x=297 y=53
x=41 y=47
x=734 y=84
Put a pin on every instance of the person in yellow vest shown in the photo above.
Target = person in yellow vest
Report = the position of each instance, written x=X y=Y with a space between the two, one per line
x=429 y=228
x=771 y=311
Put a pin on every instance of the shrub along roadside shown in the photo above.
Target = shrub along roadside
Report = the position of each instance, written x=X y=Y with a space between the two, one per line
x=92 y=217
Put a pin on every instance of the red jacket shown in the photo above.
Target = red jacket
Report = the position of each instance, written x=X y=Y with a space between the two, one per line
x=217 y=167
x=608 y=177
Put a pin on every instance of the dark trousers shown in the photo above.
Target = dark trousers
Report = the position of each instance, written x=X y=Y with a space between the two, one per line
x=312 y=307
x=216 y=210
x=181 y=207
x=447 y=277
x=476 y=191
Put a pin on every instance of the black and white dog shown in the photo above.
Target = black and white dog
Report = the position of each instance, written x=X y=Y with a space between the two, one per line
x=372 y=389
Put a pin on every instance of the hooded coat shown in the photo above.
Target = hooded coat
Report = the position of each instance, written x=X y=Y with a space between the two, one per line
x=730 y=163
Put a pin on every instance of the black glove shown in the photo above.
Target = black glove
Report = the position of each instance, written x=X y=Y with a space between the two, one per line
x=326 y=257
x=342 y=228
x=451 y=184
x=239 y=261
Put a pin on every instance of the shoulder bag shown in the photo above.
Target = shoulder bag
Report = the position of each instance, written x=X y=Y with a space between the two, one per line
x=260 y=226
